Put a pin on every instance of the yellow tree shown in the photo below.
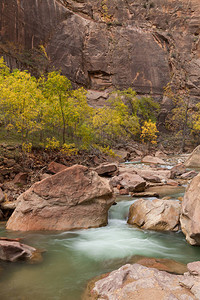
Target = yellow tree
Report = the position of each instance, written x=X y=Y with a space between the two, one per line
x=20 y=101
x=66 y=108
x=56 y=90
x=149 y=133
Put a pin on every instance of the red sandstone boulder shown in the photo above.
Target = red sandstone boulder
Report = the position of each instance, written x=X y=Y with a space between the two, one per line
x=72 y=199
x=155 y=215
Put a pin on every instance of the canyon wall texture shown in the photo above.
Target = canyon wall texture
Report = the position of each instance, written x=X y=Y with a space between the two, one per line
x=106 y=44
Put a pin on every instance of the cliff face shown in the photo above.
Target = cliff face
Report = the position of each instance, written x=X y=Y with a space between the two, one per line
x=100 y=44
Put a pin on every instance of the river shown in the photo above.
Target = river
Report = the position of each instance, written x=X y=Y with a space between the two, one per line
x=72 y=258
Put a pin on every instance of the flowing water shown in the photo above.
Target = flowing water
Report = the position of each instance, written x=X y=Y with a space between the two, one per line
x=73 y=258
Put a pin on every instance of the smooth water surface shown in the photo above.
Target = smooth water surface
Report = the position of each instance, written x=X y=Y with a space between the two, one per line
x=72 y=258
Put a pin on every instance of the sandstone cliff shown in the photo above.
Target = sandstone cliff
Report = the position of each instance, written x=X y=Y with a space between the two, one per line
x=103 y=44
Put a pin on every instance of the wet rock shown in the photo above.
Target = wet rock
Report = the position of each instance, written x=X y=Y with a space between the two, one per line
x=193 y=160
x=145 y=194
x=190 y=212
x=155 y=214
x=138 y=282
x=106 y=169
x=165 y=190
x=130 y=182
x=12 y=250
x=74 y=198
x=55 y=167
x=153 y=160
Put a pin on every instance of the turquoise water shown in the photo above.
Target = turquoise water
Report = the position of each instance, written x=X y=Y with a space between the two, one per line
x=72 y=258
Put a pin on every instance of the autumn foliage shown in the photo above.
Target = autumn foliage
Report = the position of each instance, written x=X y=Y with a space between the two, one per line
x=49 y=112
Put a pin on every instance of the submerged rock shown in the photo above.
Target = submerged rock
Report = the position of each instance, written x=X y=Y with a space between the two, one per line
x=138 y=282
x=190 y=212
x=155 y=214
x=72 y=199
x=12 y=250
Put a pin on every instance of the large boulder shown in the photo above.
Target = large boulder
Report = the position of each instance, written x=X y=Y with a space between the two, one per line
x=190 y=212
x=72 y=199
x=13 y=250
x=138 y=282
x=193 y=160
x=155 y=214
